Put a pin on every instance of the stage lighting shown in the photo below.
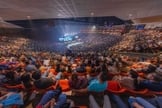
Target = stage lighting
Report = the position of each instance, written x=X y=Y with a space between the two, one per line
x=93 y=27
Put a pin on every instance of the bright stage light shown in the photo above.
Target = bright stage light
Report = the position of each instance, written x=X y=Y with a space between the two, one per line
x=70 y=34
x=94 y=27
x=76 y=37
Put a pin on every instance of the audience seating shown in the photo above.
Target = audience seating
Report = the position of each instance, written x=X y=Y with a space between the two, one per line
x=15 y=87
x=132 y=92
x=114 y=87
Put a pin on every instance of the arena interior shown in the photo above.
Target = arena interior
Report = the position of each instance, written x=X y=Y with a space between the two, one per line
x=81 y=54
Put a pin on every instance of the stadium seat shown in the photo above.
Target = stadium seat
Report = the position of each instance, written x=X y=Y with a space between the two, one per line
x=81 y=74
x=114 y=87
x=132 y=92
x=18 y=86
x=155 y=93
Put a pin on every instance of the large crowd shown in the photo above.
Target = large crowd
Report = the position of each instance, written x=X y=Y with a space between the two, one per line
x=96 y=41
x=146 y=41
x=32 y=72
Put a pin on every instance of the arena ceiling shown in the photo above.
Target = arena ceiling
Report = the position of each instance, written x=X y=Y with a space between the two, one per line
x=44 y=9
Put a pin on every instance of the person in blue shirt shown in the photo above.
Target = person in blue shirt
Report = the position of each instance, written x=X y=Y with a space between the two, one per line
x=11 y=99
x=96 y=85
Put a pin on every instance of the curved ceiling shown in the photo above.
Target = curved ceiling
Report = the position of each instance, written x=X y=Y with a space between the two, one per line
x=44 y=9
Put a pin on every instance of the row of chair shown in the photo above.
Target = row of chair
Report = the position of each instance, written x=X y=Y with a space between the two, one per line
x=116 y=88
x=113 y=87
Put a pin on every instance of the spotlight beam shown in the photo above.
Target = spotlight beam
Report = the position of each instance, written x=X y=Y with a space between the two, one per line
x=59 y=10
x=61 y=7
x=74 y=6
x=67 y=6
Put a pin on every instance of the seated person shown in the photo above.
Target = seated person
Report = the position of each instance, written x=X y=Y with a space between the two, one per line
x=63 y=82
x=93 y=73
x=77 y=82
x=26 y=80
x=128 y=81
x=48 y=74
x=150 y=68
x=159 y=69
x=80 y=69
x=2 y=76
x=2 y=67
x=52 y=99
x=153 y=82
x=12 y=78
x=42 y=83
x=11 y=99
x=30 y=67
x=96 y=85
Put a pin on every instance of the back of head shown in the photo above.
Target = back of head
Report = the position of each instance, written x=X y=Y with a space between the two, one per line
x=36 y=75
x=158 y=77
x=151 y=68
x=103 y=77
x=133 y=74
x=74 y=77
x=25 y=77
x=10 y=75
